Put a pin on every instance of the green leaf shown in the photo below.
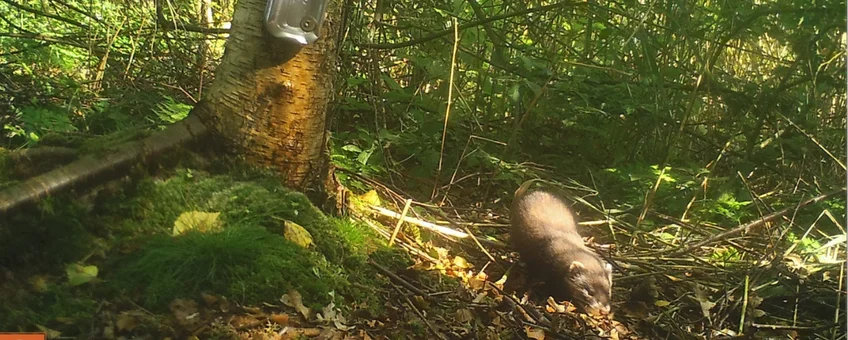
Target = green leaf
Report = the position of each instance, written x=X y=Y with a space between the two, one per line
x=515 y=93
x=351 y=148
x=78 y=274
x=365 y=155
x=170 y=111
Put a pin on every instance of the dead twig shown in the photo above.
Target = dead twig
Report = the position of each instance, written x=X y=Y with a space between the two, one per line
x=467 y=231
x=529 y=314
x=764 y=219
x=442 y=230
x=814 y=140
x=406 y=247
x=398 y=279
x=400 y=221
x=420 y=315
x=421 y=223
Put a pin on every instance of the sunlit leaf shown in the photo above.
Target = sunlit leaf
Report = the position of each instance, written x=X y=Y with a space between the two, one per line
x=79 y=274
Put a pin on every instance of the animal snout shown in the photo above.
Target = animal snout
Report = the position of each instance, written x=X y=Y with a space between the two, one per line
x=598 y=308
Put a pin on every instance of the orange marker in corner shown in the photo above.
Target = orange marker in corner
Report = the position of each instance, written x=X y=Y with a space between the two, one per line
x=23 y=336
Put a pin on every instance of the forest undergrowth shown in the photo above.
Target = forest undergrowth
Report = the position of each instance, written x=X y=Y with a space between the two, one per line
x=702 y=146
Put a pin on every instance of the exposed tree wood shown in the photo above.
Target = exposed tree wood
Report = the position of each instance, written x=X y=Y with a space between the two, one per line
x=270 y=107
x=30 y=162
x=42 y=153
x=99 y=168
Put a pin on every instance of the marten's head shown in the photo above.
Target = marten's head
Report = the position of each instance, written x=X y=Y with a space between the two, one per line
x=588 y=282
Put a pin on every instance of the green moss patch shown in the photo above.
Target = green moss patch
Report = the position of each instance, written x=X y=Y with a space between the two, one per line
x=245 y=263
x=250 y=260
x=127 y=235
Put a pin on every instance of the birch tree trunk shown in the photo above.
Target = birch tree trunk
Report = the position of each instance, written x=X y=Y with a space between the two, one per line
x=274 y=113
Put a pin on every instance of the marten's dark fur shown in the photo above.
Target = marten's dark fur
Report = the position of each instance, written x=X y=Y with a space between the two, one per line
x=545 y=235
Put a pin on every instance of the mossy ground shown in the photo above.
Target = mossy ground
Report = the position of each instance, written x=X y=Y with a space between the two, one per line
x=128 y=236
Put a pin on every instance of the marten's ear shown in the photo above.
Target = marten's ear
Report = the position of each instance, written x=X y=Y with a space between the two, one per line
x=576 y=266
x=608 y=268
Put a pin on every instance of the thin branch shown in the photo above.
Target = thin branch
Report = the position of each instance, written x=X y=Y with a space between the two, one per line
x=398 y=279
x=814 y=140
x=441 y=230
x=167 y=25
x=43 y=37
x=40 y=13
x=82 y=12
x=475 y=23
x=23 y=50
x=764 y=219
x=447 y=106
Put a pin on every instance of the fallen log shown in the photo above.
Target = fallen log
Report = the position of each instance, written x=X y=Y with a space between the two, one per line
x=93 y=169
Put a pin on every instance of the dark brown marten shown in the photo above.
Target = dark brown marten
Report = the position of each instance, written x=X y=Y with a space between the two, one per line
x=545 y=234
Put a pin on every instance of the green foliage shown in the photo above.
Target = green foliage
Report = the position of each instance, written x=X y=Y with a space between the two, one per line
x=36 y=121
x=58 y=224
x=170 y=111
x=735 y=99
x=725 y=257
x=626 y=185
x=806 y=245
x=25 y=309
x=356 y=159
x=62 y=226
x=252 y=215
x=727 y=207
x=72 y=65
x=246 y=263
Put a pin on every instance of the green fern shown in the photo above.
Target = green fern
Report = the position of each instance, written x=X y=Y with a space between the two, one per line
x=170 y=111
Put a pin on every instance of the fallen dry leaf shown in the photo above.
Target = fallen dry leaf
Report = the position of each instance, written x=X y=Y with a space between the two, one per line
x=704 y=300
x=209 y=299
x=279 y=318
x=330 y=314
x=554 y=307
x=197 y=220
x=329 y=334
x=478 y=281
x=463 y=315
x=184 y=311
x=297 y=234
x=295 y=333
x=245 y=322
x=127 y=321
x=294 y=300
x=534 y=333
x=461 y=262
